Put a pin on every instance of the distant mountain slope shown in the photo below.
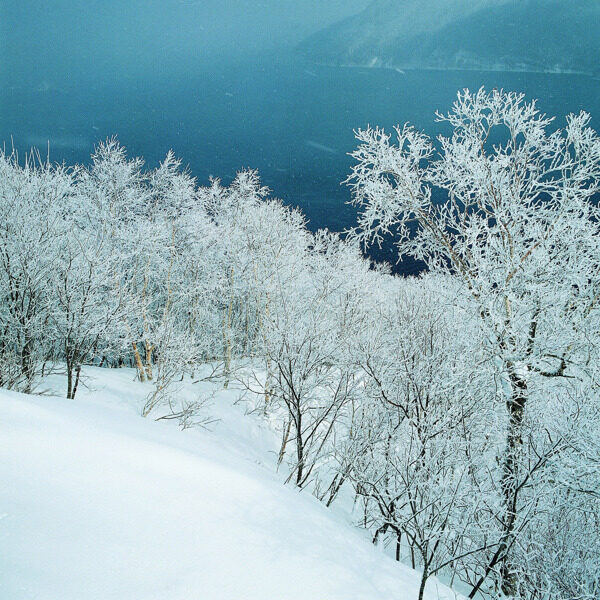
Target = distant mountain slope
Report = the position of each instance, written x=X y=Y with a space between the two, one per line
x=508 y=35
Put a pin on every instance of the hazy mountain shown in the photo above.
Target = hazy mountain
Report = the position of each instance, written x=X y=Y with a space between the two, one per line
x=47 y=44
x=511 y=35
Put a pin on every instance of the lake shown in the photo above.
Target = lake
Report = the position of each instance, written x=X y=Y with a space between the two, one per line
x=291 y=120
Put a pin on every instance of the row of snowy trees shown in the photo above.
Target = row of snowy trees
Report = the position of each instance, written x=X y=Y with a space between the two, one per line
x=459 y=410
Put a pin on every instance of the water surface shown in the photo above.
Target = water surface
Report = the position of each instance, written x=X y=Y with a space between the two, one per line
x=291 y=120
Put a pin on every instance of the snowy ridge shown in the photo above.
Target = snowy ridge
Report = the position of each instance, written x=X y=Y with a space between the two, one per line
x=98 y=503
x=541 y=36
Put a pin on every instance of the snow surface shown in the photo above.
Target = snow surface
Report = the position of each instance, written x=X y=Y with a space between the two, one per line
x=97 y=502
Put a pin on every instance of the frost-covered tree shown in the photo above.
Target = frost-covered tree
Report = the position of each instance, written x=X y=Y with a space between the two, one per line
x=558 y=554
x=140 y=213
x=114 y=190
x=518 y=229
x=84 y=307
x=32 y=196
x=418 y=440
x=461 y=407
x=257 y=240
x=317 y=308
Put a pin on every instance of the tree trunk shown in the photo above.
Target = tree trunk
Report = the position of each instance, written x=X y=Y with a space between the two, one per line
x=69 y=377
x=284 y=441
x=77 y=374
x=227 y=344
x=299 y=448
x=334 y=489
x=268 y=378
x=424 y=578
x=227 y=334
x=268 y=386
x=149 y=348
x=27 y=368
x=138 y=362
x=510 y=477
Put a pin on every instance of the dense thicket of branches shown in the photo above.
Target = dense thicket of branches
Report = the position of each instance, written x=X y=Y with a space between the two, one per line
x=459 y=409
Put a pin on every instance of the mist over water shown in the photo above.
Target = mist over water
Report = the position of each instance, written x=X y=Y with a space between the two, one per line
x=222 y=102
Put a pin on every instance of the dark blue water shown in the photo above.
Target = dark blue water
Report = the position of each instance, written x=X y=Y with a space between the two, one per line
x=290 y=120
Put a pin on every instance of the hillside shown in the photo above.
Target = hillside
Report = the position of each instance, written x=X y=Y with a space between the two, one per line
x=506 y=35
x=98 y=503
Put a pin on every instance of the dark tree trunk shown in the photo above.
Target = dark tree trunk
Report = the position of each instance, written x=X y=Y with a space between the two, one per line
x=69 y=377
x=77 y=374
x=424 y=578
x=335 y=487
x=510 y=490
x=27 y=367
x=510 y=478
x=299 y=448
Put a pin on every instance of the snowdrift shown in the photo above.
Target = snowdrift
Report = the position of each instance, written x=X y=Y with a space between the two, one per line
x=97 y=502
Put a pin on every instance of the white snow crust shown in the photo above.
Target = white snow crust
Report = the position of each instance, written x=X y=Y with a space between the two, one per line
x=99 y=503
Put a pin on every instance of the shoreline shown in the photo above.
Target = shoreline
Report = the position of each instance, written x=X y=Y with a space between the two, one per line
x=403 y=69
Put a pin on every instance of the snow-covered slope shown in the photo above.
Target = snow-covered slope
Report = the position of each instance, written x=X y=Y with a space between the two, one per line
x=98 y=503
x=500 y=35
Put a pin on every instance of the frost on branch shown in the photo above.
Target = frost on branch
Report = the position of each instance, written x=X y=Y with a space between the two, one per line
x=517 y=228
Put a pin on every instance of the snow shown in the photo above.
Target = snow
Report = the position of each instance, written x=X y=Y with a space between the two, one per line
x=97 y=502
